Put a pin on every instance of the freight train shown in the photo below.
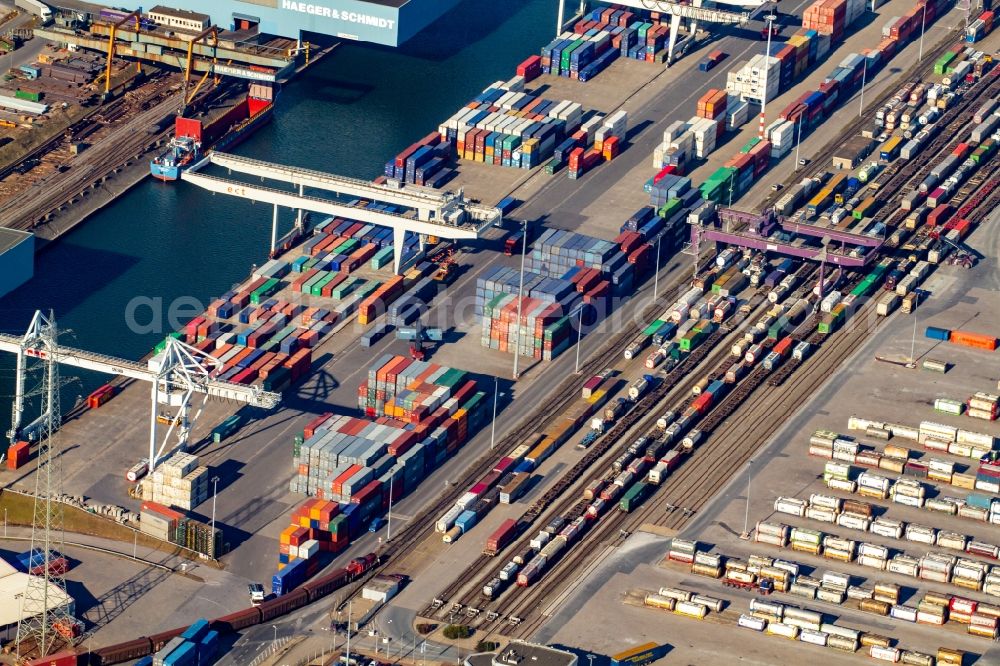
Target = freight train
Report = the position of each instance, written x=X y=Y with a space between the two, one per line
x=238 y=621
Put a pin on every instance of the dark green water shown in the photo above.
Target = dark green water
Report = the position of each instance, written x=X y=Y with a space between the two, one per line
x=171 y=243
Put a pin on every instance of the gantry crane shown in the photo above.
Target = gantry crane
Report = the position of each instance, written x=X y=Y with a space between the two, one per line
x=111 y=47
x=693 y=11
x=175 y=375
x=214 y=32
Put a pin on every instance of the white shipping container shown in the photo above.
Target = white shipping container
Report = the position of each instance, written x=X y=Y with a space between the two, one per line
x=904 y=565
x=813 y=637
x=884 y=653
x=782 y=629
x=790 y=505
x=751 y=622
x=904 y=613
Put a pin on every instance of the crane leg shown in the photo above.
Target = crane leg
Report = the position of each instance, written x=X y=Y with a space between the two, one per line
x=18 y=409
x=398 y=236
x=274 y=229
x=298 y=219
x=152 y=427
x=675 y=24
x=561 y=17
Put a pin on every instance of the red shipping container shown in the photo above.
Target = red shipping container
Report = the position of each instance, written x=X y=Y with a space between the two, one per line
x=530 y=69
x=372 y=489
x=783 y=346
x=702 y=403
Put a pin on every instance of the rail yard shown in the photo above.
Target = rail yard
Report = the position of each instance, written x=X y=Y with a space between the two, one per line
x=766 y=409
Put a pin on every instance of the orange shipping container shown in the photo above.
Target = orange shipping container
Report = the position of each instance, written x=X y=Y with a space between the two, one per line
x=975 y=340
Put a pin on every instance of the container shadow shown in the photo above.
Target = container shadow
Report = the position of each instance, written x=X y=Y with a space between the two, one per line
x=469 y=22
x=98 y=268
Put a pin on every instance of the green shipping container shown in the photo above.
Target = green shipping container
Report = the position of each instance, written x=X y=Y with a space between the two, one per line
x=653 y=328
x=262 y=292
x=226 y=428
x=277 y=379
x=368 y=287
x=381 y=258
x=691 y=340
x=345 y=287
x=553 y=166
x=634 y=496
x=30 y=96
x=317 y=287
x=750 y=145
x=777 y=327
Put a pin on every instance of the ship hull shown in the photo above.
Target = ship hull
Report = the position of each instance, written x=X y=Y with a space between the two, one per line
x=164 y=173
x=233 y=136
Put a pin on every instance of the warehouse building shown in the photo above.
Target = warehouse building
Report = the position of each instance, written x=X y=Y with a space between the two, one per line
x=518 y=653
x=386 y=22
x=852 y=153
x=17 y=259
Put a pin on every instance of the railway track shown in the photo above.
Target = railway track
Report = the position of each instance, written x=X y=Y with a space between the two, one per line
x=825 y=154
x=677 y=387
x=733 y=441
x=679 y=381
x=422 y=525
x=566 y=392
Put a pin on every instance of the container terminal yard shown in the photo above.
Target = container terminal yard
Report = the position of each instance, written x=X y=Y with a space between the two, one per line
x=487 y=472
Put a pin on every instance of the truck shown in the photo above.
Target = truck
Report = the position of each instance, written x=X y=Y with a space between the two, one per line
x=516 y=241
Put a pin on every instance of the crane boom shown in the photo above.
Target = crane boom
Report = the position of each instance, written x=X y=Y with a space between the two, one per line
x=216 y=388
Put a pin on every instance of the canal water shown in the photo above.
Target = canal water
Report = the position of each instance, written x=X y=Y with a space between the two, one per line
x=161 y=247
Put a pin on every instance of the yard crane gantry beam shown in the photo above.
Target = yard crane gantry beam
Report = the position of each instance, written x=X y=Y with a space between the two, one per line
x=175 y=375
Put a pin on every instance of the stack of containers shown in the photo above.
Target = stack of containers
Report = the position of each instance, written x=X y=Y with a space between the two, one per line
x=984 y=406
x=379 y=300
x=316 y=526
x=706 y=132
x=507 y=281
x=677 y=147
x=163 y=523
x=422 y=163
x=667 y=194
x=712 y=104
x=366 y=464
x=557 y=253
x=542 y=332
x=582 y=53
x=827 y=17
x=159 y=521
x=530 y=69
x=178 y=481
x=510 y=128
x=582 y=160
x=612 y=132
x=760 y=151
x=756 y=81
x=979 y=28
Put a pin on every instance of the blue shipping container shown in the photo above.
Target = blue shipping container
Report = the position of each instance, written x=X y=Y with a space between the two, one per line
x=935 y=333
x=185 y=655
